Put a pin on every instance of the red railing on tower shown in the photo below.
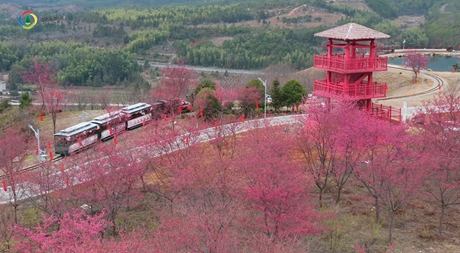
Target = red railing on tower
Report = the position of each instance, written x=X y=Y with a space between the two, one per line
x=363 y=90
x=338 y=63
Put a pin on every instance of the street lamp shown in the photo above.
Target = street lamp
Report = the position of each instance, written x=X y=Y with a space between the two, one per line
x=37 y=135
x=265 y=97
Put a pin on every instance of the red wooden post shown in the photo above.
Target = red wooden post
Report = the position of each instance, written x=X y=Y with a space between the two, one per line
x=297 y=106
x=41 y=117
x=164 y=116
x=215 y=125
x=4 y=186
x=257 y=105
x=190 y=108
x=201 y=113
x=186 y=140
x=51 y=155
x=179 y=110
x=143 y=123
x=115 y=141
x=242 y=118
x=79 y=141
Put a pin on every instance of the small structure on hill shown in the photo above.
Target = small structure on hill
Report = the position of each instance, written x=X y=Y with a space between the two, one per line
x=350 y=62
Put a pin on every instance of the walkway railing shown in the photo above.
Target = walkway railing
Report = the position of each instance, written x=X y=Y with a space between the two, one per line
x=339 y=63
x=364 y=90
x=386 y=112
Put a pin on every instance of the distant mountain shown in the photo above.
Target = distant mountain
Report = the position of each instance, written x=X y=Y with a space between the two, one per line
x=106 y=3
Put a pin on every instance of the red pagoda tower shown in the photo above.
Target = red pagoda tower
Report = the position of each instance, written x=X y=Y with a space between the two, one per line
x=350 y=62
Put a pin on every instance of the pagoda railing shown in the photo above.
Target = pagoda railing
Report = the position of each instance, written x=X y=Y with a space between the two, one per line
x=363 y=90
x=338 y=63
x=386 y=112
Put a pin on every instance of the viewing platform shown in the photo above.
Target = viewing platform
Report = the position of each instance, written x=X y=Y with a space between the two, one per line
x=339 y=64
x=363 y=90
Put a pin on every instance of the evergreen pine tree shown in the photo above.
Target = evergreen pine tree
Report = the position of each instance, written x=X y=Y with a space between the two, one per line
x=277 y=96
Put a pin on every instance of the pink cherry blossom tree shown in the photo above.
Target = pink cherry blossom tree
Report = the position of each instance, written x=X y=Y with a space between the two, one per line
x=415 y=60
x=65 y=234
x=389 y=170
x=109 y=182
x=13 y=151
x=440 y=134
x=275 y=187
x=43 y=76
x=176 y=82
x=317 y=142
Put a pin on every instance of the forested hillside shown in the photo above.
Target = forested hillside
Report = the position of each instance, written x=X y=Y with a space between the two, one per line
x=252 y=34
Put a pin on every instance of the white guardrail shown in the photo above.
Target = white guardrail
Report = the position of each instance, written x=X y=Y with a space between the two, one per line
x=28 y=189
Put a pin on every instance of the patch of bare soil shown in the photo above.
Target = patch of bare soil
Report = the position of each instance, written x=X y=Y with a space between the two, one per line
x=442 y=9
x=220 y=40
x=410 y=21
x=322 y=18
x=355 y=4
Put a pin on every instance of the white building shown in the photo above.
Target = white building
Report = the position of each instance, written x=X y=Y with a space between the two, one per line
x=2 y=86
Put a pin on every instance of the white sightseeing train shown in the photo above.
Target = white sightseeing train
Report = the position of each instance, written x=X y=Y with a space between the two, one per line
x=85 y=134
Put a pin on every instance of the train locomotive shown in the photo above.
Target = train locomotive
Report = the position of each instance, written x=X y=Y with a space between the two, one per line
x=104 y=127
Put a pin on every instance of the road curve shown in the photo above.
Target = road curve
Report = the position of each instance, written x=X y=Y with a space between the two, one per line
x=440 y=84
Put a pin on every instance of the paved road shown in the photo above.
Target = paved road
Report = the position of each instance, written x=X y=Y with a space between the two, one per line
x=28 y=190
x=424 y=95
x=206 y=69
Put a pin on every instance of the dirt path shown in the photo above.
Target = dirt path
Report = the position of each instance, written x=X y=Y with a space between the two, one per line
x=295 y=9
x=442 y=9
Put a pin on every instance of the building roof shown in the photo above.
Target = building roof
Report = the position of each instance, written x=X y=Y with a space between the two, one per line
x=352 y=31
x=73 y=130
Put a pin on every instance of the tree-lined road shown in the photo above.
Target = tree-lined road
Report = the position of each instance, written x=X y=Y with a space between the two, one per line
x=28 y=190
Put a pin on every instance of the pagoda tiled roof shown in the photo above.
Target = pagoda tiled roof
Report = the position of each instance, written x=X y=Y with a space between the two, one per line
x=352 y=31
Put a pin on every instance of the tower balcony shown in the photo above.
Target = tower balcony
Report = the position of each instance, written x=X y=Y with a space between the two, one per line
x=339 y=64
x=362 y=90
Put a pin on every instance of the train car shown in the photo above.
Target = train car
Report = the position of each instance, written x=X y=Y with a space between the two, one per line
x=110 y=124
x=158 y=109
x=183 y=104
x=137 y=114
x=75 y=138
x=172 y=106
